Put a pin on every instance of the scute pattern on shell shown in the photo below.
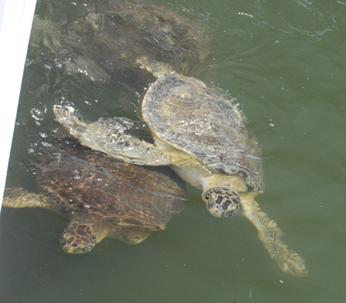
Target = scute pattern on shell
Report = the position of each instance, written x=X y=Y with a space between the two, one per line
x=203 y=122
x=84 y=181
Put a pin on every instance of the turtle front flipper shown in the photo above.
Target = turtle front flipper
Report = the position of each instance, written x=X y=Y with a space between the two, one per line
x=109 y=136
x=68 y=117
x=82 y=234
x=21 y=198
x=270 y=235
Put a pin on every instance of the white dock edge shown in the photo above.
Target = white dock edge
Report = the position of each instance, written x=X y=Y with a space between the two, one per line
x=15 y=26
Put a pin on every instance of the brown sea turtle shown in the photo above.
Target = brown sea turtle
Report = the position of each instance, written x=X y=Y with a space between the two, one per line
x=105 y=42
x=201 y=134
x=102 y=197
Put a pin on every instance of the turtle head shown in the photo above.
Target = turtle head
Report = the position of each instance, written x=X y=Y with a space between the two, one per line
x=221 y=202
x=78 y=239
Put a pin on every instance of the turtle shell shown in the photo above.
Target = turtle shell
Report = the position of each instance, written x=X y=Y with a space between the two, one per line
x=204 y=123
x=107 y=39
x=85 y=181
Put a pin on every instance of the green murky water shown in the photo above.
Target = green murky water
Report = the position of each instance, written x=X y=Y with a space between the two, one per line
x=284 y=62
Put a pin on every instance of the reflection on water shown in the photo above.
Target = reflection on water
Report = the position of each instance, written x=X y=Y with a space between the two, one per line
x=285 y=65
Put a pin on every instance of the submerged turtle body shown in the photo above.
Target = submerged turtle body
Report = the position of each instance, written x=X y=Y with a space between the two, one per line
x=102 y=197
x=105 y=42
x=122 y=32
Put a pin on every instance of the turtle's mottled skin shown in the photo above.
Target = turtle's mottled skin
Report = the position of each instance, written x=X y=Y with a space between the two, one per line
x=201 y=134
x=101 y=196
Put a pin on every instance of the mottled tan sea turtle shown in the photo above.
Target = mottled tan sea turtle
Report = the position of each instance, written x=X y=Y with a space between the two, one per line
x=201 y=134
x=101 y=196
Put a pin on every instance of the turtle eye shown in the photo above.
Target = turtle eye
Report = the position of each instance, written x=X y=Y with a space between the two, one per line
x=207 y=196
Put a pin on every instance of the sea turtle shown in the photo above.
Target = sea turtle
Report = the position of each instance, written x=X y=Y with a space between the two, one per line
x=201 y=134
x=104 y=42
x=102 y=197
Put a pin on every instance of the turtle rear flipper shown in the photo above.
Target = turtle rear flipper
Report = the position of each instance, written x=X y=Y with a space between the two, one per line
x=270 y=235
x=21 y=198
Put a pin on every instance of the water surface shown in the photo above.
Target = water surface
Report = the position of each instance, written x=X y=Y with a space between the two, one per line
x=285 y=64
